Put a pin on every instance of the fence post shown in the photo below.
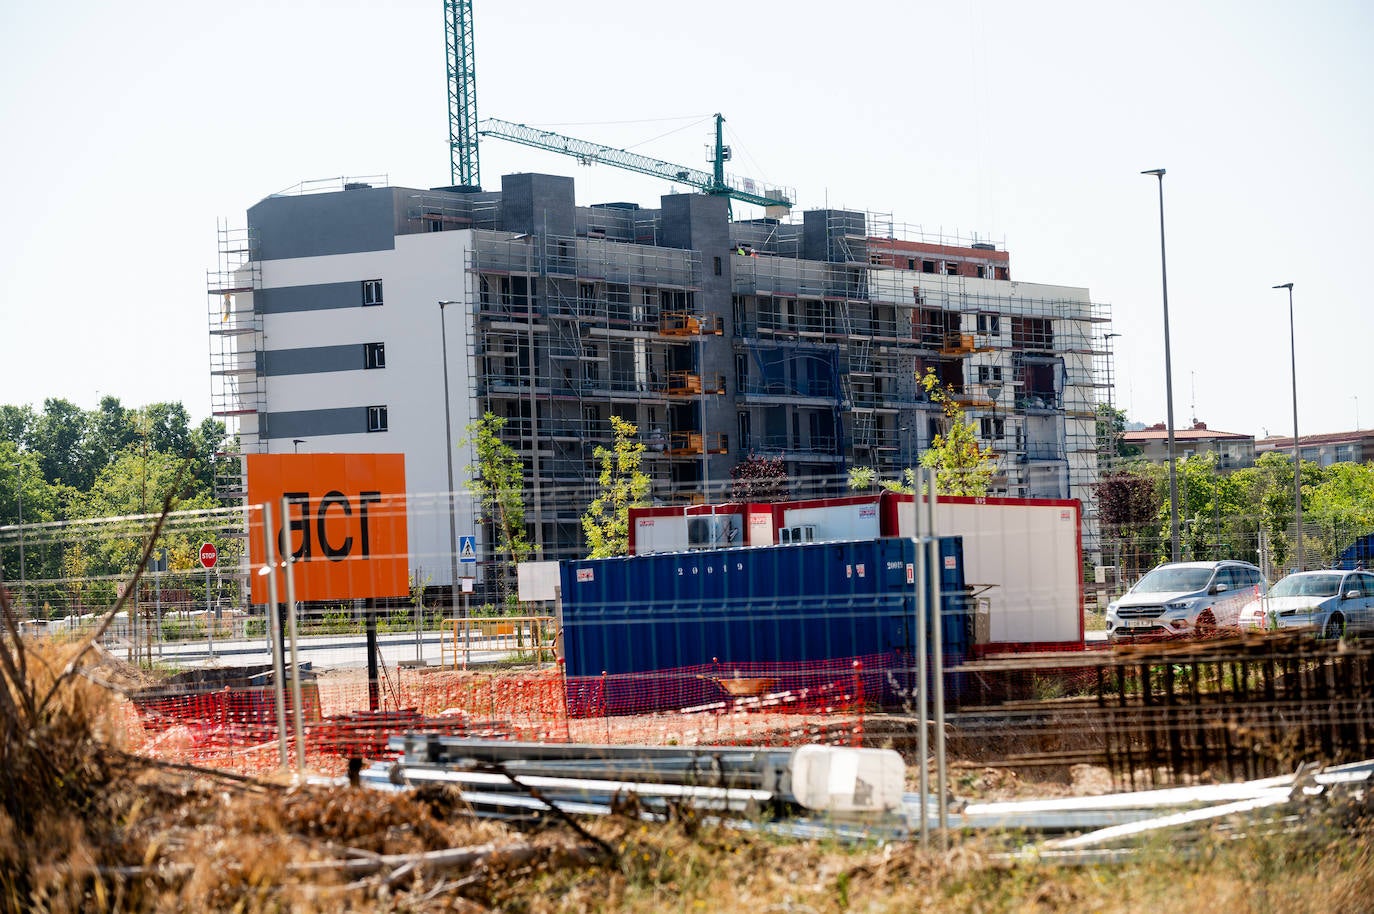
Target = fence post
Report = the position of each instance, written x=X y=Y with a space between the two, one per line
x=858 y=738
x=605 y=707
x=269 y=568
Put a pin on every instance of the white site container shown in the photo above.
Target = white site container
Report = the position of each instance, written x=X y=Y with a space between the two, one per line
x=835 y=779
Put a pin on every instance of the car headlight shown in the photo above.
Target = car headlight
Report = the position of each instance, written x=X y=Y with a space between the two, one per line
x=1180 y=607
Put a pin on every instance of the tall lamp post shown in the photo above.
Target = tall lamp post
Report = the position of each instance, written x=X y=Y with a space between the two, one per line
x=448 y=439
x=1297 y=458
x=1168 y=377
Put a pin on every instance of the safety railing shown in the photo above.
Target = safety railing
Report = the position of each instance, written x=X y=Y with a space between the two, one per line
x=531 y=639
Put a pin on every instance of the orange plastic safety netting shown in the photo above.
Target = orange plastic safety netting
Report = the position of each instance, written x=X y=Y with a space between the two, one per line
x=233 y=723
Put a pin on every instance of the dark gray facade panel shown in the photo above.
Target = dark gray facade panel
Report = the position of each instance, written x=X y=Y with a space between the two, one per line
x=322 y=297
x=823 y=232
x=315 y=423
x=538 y=203
x=313 y=360
x=314 y=225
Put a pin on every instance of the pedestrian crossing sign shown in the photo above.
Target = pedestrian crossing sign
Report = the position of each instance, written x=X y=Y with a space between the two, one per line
x=467 y=550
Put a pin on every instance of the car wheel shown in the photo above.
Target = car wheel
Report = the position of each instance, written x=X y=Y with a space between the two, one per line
x=1206 y=625
x=1334 y=628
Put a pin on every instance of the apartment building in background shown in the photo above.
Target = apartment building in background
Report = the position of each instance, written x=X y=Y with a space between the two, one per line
x=804 y=339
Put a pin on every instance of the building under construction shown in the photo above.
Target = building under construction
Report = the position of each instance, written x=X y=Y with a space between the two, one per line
x=340 y=313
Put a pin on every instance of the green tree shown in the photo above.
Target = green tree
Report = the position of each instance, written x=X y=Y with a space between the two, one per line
x=17 y=424
x=865 y=479
x=111 y=429
x=1217 y=520
x=758 y=479
x=60 y=436
x=1268 y=490
x=1339 y=509
x=621 y=485
x=498 y=481
x=1111 y=431
x=961 y=466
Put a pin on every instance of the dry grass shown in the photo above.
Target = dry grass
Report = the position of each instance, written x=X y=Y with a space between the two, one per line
x=85 y=826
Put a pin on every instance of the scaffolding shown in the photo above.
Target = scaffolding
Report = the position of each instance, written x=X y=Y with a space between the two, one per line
x=238 y=393
x=572 y=330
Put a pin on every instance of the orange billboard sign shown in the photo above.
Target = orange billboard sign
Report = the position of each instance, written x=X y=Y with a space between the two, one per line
x=345 y=523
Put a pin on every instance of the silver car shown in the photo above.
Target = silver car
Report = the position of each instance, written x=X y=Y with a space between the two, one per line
x=1332 y=603
x=1185 y=598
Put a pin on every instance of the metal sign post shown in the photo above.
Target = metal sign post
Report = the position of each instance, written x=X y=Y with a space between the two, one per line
x=208 y=556
x=467 y=557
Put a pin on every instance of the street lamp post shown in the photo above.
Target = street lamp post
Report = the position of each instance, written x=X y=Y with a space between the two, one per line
x=1168 y=376
x=448 y=439
x=296 y=444
x=1297 y=458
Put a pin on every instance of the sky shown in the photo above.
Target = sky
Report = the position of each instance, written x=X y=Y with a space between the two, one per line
x=134 y=130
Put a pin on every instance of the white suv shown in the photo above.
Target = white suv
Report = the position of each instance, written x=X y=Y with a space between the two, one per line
x=1185 y=598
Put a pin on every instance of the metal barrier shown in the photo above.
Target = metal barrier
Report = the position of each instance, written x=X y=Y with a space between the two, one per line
x=524 y=638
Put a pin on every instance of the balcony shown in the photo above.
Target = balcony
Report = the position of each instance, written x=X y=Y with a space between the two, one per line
x=681 y=323
x=687 y=384
x=961 y=344
x=681 y=444
x=1042 y=401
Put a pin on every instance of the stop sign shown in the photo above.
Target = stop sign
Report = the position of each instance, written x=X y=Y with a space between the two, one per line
x=208 y=555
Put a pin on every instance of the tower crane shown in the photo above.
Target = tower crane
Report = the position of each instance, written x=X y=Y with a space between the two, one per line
x=714 y=182
x=464 y=167
x=464 y=129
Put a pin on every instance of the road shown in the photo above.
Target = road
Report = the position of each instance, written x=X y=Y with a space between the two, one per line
x=325 y=651
x=349 y=651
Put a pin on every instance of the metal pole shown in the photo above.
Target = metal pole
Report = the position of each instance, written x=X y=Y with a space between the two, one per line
x=22 y=575
x=157 y=598
x=1297 y=456
x=269 y=568
x=937 y=655
x=1168 y=377
x=448 y=437
x=922 y=666
x=296 y=714
x=209 y=617
x=373 y=688
x=419 y=615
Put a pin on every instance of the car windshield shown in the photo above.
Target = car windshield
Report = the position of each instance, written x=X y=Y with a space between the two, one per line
x=1308 y=585
x=1173 y=580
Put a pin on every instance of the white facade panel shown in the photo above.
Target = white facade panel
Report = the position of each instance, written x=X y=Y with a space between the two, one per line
x=1022 y=559
x=421 y=271
x=837 y=522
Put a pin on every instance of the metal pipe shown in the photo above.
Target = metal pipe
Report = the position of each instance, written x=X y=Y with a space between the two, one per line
x=1168 y=377
x=922 y=662
x=1297 y=455
x=938 y=659
x=448 y=438
x=269 y=569
x=296 y=713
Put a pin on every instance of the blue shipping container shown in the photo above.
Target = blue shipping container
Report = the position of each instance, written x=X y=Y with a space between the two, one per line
x=793 y=604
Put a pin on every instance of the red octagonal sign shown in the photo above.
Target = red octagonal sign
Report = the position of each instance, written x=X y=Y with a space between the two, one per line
x=208 y=555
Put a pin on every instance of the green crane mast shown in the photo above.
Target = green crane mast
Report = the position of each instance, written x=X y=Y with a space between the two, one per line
x=588 y=153
x=462 y=94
